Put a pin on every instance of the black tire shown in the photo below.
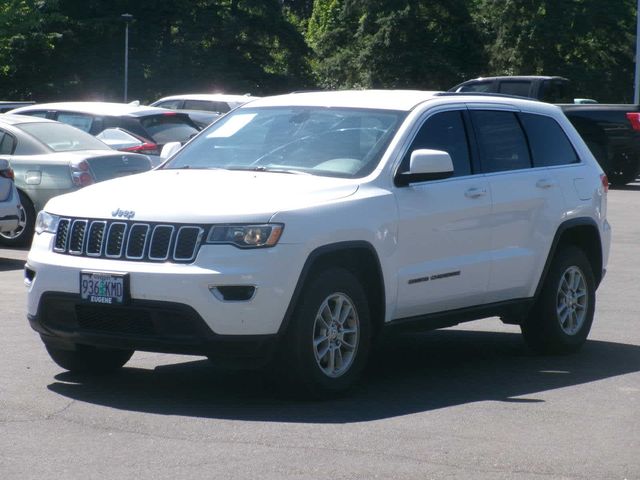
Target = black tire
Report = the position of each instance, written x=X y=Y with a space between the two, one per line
x=299 y=366
x=86 y=359
x=21 y=236
x=561 y=320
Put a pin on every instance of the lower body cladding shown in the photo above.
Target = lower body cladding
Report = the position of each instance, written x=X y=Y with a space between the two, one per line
x=228 y=304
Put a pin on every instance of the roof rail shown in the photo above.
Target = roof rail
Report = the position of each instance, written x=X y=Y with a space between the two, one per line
x=484 y=94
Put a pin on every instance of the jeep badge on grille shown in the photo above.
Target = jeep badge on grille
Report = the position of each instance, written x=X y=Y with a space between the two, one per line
x=128 y=214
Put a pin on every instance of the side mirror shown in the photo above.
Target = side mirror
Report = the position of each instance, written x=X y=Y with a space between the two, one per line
x=426 y=165
x=169 y=149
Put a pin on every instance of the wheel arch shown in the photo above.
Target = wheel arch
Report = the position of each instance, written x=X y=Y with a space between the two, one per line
x=582 y=233
x=360 y=258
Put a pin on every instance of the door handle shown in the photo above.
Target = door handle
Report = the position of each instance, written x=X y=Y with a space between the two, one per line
x=545 y=183
x=475 y=192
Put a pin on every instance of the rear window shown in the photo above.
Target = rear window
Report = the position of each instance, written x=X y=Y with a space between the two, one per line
x=168 y=128
x=61 y=137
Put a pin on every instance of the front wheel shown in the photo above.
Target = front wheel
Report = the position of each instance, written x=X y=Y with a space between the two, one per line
x=562 y=316
x=328 y=341
x=87 y=359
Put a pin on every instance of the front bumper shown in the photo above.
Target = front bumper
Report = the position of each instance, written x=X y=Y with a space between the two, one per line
x=272 y=272
x=63 y=321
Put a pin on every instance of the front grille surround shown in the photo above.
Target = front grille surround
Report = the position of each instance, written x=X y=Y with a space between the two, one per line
x=129 y=240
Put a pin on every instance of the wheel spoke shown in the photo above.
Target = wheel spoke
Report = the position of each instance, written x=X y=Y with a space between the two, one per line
x=332 y=360
x=346 y=312
x=318 y=341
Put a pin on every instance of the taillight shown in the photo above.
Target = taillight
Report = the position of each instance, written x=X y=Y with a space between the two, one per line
x=146 y=147
x=605 y=182
x=634 y=118
x=81 y=174
x=7 y=173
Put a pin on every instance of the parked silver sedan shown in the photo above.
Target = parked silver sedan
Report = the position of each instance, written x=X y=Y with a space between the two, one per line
x=51 y=158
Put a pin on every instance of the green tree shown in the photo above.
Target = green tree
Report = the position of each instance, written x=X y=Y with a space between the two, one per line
x=390 y=44
x=589 y=41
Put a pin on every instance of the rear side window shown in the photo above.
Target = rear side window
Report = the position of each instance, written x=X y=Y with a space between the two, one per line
x=549 y=144
x=502 y=143
x=172 y=104
x=168 y=128
x=443 y=131
x=518 y=88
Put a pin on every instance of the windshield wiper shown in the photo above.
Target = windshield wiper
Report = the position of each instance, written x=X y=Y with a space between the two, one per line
x=270 y=170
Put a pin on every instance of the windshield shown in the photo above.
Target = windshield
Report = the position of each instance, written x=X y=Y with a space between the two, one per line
x=338 y=142
x=60 y=137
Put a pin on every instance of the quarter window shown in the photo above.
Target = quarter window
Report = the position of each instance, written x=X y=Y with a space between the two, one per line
x=443 y=131
x=502 y=143
x=549 y=144
x=7 y=143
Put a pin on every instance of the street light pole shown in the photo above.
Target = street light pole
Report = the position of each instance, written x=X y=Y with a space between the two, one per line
x=127 y=17
x=636 y=86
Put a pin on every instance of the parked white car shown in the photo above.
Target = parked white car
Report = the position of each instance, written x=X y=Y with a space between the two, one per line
x=298 y=228
x=203 y=108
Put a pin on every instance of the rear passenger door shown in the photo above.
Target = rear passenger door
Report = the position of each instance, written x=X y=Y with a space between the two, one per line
x=444 y=229
x=527 y=201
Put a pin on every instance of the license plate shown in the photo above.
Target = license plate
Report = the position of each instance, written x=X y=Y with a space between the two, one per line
x=104 y=288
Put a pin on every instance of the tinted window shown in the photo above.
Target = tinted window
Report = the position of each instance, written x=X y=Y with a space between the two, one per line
x=520 y=89
x=60 y=137
x=78 y=120
x=168 y=128
x=501 y=140
x=7 y=143
x=36 y=113
x=443 y=131
x=220 y=107
x=555 y=91
x=548 y=142
x=477 y=87
x=172 y=104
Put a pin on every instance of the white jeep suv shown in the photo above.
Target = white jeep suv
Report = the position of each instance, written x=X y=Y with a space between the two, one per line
x=299 y=228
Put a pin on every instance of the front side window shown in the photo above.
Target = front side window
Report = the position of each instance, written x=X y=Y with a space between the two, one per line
x=501 y=140
x=61 y=137
x=342 y=142
x=549 y=144
x=443 y=131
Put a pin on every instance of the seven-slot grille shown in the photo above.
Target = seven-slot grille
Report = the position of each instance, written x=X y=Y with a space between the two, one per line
x=128 y=240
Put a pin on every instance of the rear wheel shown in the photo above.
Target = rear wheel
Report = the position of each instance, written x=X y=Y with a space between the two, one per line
x=562 y=317
x=22 y=235
x=328 y=341
x=86 y=359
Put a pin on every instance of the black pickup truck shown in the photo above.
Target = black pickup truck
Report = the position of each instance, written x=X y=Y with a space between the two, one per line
x=612 y=131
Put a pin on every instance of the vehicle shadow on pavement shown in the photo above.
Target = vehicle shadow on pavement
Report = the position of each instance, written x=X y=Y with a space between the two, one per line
x=409 y=374
x=9 y=264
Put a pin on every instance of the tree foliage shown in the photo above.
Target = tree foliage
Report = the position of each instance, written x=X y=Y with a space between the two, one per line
x=74 y=49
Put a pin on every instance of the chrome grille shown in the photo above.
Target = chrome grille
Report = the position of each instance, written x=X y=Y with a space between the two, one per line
x=128 y=240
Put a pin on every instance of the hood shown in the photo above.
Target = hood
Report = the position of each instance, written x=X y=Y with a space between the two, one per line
x=200 y=196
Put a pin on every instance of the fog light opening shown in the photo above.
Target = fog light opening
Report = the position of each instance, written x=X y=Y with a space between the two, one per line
x=233 y=293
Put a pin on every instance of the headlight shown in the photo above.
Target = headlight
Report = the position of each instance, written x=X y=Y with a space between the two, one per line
x=45 y=222
x=246 y=236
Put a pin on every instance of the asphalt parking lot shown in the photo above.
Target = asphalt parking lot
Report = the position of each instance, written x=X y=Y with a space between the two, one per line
x=466 y=402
